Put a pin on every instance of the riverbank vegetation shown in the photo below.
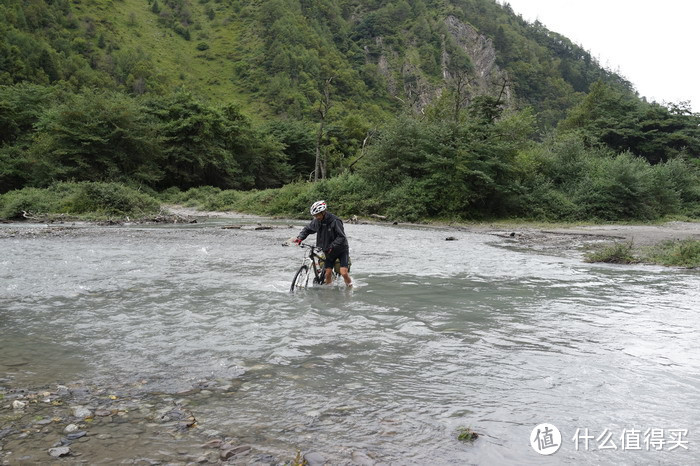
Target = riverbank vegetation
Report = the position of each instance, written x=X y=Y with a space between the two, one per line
x=489 y=163
x=680 y=253
x=87 y=200
x=89 y=120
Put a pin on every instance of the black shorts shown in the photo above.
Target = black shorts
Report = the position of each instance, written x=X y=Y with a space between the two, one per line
x=343 y=255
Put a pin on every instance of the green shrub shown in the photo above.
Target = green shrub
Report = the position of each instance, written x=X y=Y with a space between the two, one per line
x=111 y=199
x=685 y=253
x=86 y=198
x=543 y=201
x=345 y=194
x=224 y=200
x=615 y=189
x=32 y=201
x=617 y=253
x=407 y=202
x=193 y=197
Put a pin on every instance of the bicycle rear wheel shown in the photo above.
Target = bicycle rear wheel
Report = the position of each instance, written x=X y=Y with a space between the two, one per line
x=300 y=278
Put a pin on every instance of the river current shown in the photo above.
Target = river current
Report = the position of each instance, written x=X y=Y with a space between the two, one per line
x=435 y=336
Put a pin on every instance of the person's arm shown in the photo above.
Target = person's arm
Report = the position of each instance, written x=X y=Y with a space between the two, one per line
x=309 y=229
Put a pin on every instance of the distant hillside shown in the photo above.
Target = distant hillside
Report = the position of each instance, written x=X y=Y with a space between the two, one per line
x=274 y=56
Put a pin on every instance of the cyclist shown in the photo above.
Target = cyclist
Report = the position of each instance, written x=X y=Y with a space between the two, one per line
x=330 y=236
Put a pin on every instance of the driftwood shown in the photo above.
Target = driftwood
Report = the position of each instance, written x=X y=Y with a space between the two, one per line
x=165 y=217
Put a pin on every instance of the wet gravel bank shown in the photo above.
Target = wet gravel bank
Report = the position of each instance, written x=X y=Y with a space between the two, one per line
x=83 y=424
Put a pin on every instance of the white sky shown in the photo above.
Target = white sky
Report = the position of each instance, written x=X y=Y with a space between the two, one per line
x=654 y=45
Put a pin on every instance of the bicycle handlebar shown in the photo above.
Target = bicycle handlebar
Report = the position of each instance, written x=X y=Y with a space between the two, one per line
x=310 y=246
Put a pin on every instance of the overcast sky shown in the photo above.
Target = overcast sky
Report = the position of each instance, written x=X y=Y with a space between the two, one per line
x=654 y=45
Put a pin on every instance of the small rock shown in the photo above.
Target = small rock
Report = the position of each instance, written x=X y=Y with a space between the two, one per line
x=215 y=443
x=450 y=238
x=209 y=457
x=242 y=450
x=314 y=459
x=44 y=422
x=18 y=404
x=81 y=412
x=103 y=412
x=226 y=454
x=362 y=459
x=70 y=428
x=59 y=452
x=76 y=435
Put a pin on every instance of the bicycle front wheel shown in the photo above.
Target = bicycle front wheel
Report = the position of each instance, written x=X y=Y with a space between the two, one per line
x=300 y=278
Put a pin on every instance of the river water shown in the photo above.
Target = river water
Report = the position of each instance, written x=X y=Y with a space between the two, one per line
x=436 y=335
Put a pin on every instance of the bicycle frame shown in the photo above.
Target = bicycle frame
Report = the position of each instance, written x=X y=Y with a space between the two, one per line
x=309 y=263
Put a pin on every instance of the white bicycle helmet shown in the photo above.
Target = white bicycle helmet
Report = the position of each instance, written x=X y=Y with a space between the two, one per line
x=318 y=207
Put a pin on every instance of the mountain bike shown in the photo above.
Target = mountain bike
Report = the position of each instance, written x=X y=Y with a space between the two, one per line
x=311 y=268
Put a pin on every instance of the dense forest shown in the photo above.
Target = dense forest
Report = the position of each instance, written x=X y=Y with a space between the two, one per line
x=413 y=109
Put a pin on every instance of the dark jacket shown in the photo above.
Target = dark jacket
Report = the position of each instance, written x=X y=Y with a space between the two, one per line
x=329 y=233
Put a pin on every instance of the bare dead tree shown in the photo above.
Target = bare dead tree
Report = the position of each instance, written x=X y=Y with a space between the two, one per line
x=323 y=106
x=363 y=150
x=462 y=84
x=505 y=83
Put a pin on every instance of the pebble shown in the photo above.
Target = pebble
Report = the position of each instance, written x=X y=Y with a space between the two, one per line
x=226 y=454
x=59 y=452
x=242 y=450
x=215 y=443
x=81 y=412
x=362 y=459
x=70 y=428
x=314 y=459
x=76 y=435
x=209 y=457
x=18 y=404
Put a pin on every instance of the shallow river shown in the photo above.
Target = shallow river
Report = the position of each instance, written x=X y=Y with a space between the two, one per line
x=436 y=335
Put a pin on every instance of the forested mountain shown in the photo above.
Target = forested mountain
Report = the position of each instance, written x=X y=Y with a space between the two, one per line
x=256 y=94
x=274 y=56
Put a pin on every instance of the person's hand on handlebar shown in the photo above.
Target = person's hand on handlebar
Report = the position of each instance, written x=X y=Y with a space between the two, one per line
x=297 y=241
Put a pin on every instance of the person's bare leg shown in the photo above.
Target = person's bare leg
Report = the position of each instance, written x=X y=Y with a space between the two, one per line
x=346 y=276
x=329 y=276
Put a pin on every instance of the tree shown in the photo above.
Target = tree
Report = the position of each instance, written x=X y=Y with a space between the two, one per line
x=324 y=105
x=618 y=119
x=194 y=143
x=102 y=136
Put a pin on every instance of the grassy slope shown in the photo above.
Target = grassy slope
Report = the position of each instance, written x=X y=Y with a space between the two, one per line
x=209 y=73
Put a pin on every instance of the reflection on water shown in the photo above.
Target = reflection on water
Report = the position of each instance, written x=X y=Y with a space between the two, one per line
x=436 y=335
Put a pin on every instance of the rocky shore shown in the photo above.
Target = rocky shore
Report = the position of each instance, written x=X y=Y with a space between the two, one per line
x=83 y=424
